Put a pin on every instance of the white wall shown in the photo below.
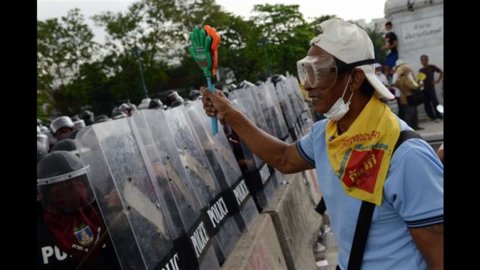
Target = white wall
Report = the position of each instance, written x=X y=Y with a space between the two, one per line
x=420 y=32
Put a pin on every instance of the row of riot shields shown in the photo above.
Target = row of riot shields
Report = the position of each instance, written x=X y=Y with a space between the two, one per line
x=172 y=195
x=294 y=108
x=280 y=111
x=260 y=178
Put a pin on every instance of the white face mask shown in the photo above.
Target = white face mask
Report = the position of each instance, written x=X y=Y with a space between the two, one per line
x=339 y=108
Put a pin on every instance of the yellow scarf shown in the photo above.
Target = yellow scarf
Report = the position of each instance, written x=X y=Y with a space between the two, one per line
x=360 y=157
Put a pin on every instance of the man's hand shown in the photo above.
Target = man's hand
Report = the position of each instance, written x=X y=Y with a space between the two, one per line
x=215 y=103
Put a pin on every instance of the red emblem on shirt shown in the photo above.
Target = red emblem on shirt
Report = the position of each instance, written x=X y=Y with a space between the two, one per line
x=362 y=169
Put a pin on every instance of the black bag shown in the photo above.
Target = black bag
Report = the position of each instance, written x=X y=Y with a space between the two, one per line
x=416 y=98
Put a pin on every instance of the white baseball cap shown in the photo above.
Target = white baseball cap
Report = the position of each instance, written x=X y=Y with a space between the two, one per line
x=352 y=45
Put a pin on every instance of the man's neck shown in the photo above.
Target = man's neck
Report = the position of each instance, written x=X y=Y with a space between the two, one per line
x=358 y=103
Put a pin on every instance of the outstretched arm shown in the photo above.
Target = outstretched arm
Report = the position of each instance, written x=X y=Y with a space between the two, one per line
x=279 y=154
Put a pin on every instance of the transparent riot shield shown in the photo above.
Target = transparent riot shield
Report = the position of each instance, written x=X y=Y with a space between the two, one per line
x=224 y=160
x=243 y=100
x=287 y=109
x=298 y=103
x=182 y=202
x=256 y=171
x=191 y=155
x=134 y=213
x=273 y=104
x=262 y=107
x=195 y=154
x=183 y=188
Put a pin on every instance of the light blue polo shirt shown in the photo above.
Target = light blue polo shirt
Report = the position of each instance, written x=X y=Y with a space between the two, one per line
x=412 y=198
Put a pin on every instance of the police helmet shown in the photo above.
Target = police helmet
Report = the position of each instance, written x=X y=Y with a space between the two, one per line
x=87 y=116
x=245 y=84
x=117 y=113
x=174 y=99
x=144 y=104
x=232 y=87
x=101 y=118
x=65 y=145
x=124 y=107
x=79 y=124
x=62 y=182
x=195 y=94
x=277 y=78
x=155 y=103
x=61 y=122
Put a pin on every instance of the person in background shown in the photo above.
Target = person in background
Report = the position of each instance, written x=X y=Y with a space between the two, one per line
x=156 y=103
x=391 y=48
x=101 y=118
x=62 y=127
x=392 y=103
x=70 y=230
x=87 y=116
x=431 y=101
x=194 y=94
x=174 y=99
x=352 y=151
x=405 y=81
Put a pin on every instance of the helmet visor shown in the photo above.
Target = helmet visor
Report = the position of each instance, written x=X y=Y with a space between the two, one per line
x=65 y=194
x=318 y=71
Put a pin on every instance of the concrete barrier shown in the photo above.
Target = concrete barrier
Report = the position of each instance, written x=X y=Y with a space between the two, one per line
x=295 y=221
x=257 y=249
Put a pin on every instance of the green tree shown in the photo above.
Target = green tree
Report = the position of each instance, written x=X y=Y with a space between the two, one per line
x=287 y=33
x=378 y=41
x=62 y=47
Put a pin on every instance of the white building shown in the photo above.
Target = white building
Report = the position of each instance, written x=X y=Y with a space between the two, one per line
x=419 y=28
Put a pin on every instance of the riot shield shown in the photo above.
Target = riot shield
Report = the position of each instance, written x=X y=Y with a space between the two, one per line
x=194 y=154
x=198 y=234
x=224 y=160
x=191 y=155
x=262 y=107
x=134 y=213
x=287 y=110
x=298 y=104
x=273 y=105
x=256 y=171
x=178 y=192
x=243 y=101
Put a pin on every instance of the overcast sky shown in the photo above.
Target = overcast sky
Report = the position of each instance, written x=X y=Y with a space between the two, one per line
x=345 y=9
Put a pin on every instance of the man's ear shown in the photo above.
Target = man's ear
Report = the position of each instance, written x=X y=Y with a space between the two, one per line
x=357 y=79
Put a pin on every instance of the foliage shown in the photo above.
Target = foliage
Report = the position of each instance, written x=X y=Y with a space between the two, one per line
x=75 y=73
x=63 y=46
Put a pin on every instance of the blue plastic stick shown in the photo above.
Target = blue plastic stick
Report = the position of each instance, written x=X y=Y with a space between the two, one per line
x=211 y=88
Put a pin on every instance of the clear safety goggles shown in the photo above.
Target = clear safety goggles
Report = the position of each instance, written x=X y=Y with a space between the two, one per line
x=318 y=71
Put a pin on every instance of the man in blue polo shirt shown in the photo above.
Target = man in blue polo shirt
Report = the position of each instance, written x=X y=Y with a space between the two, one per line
x=352 y=151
